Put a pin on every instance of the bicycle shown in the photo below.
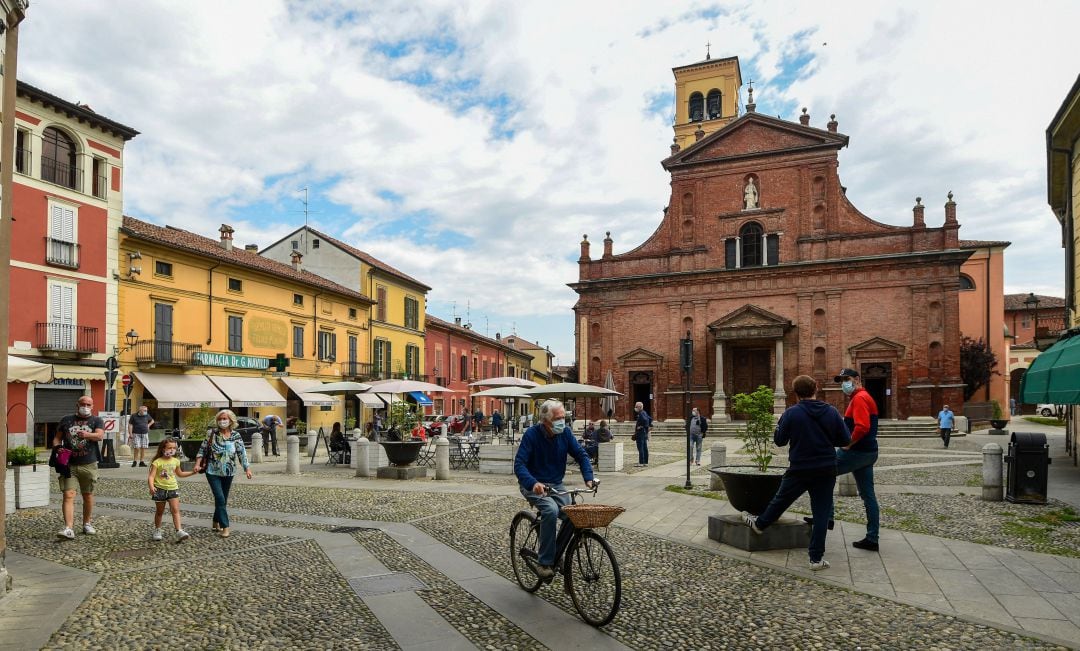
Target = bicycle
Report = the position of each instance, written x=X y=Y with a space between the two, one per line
x=591 y=574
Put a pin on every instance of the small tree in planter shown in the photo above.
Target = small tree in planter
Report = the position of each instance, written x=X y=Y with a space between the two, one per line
x=196 y=424
x=31 y=486
x=997 y=418
x=21 y=455
x=758 y=433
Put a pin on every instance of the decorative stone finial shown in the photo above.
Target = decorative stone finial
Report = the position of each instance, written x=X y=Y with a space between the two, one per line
x=751 y=107
x=804 y=119
x=950 y=195
x=918 y=201
x=675 y=146
x=832 y=123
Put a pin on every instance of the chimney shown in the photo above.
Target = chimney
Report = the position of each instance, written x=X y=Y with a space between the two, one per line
x=584 y=249
x=804 y=119
x=457 y=320
x=254 y=248
x=296 y=256
x=919 y=210
x=226 y=236
x=699 y=133
x=607 y=246
x=832 y=123
x=950 y=210
x=675 y=146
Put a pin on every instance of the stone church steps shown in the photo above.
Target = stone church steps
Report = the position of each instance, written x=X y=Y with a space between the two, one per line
x=886 y=429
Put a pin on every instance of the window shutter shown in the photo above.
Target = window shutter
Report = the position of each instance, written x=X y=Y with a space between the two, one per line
x=333 y=345
x=352 y=349
x=381 y=298
x=729 y=253
x=772 y=249
x=389 y=359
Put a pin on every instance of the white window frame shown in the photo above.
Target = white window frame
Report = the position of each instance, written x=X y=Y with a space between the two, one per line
x=52 y=318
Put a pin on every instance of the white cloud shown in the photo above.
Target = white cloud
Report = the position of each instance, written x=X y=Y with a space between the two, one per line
x=240 y=103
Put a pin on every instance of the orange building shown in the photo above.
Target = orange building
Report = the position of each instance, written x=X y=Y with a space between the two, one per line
x=982 y=311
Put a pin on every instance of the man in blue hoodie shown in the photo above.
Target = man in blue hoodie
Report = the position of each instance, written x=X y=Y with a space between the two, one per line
x=540 y=464
x=814 y=429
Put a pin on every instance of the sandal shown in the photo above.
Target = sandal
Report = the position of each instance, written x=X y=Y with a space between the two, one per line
x=225 y=532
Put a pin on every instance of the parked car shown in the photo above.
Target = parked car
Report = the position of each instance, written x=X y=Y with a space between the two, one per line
x=1049 y=410
x=246 y=426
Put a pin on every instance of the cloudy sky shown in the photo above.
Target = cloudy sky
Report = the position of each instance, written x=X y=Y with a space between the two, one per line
x=471 y=144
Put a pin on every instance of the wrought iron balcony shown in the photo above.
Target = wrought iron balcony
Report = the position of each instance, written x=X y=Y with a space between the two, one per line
x=166 y=353
x=61 y=253
x=66 y=338
x=53 y=171
x=365 y=372
x=357 y=369
x=101 y=186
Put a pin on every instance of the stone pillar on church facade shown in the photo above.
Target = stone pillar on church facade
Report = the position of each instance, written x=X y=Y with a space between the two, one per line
x=779 y=395
x=719 y=399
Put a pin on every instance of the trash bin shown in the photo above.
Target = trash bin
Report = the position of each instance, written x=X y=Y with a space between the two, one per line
x=1027 y=460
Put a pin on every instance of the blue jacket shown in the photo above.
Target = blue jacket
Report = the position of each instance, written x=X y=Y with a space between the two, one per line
x=543 y=459
x=814 y=429
x=945 y=419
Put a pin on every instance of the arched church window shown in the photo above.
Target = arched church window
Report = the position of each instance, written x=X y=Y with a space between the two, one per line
x=966 y=283
x=750 y=236
x=712 y=104
x=697 y=107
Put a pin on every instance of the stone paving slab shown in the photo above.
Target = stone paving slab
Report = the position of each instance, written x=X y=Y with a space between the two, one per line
x=39 y=586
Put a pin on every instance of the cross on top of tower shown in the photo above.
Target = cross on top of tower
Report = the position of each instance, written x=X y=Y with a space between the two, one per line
x=708 y=53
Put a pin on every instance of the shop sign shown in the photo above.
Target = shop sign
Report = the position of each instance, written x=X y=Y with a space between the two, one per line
x=229 y=360
x=61 y=382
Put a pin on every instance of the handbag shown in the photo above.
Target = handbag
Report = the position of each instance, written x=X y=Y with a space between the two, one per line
x=633 y=437
x=209 y=451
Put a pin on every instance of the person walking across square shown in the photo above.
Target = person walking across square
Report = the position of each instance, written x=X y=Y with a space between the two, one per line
x=945 y=423
x=642 y=427
x=80 y=434
x=164 y=489
x=699 y=426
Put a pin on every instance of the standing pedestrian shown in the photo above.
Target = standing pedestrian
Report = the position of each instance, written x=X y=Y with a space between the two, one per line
x=699 y=426
x=642 y=427
x=496 y=422
x=523 y=421
x=218 y=457
x=80 y=434
x=139 y=425
x=945 y=421
x=164 y=469
x=1013 y=411
x=270 y=424
x=814 y=429
x=859 y=457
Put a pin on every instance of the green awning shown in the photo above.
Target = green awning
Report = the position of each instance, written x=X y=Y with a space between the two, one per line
x=1054 y=376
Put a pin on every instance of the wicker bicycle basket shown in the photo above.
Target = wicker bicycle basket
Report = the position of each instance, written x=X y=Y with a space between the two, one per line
x=592 y=516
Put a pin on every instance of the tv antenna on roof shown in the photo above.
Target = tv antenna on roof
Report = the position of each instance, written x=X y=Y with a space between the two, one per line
x=307 y=211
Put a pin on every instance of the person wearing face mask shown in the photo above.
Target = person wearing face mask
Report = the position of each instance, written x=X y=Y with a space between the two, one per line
x=164 y=489
x=541 y=464
x=139 y=425
x=79 y=433
x=219 y=455
x=858 y=458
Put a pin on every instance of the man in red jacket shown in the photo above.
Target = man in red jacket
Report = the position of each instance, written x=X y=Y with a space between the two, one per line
x=861 y=418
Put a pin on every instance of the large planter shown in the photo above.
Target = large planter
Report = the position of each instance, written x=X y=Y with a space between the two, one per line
x=402 y=453
x=9 y=492
x=190 y=447
x=747 y=488
x=31 y=485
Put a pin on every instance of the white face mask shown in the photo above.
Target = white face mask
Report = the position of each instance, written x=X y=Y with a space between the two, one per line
x=84 y=410
x=169 y=453
x=558 y=425
x=224 y=423
x=848 y=387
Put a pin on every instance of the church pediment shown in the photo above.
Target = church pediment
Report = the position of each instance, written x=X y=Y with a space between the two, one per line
x=878 y=345
x=750 y=322
x=754 y=134
x=641 y=355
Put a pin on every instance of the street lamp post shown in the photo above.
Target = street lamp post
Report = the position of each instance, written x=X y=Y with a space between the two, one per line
x=1032 y=303
x=111 y=364
x=686 y=361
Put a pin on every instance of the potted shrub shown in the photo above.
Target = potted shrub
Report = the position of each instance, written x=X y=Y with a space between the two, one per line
x=196 y=425
x=750 y=488
x=405 y=451
x=997 y=418
x=31 y=484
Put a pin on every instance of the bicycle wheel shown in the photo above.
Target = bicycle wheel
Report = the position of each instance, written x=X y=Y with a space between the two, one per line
x=593 y=579
x=524 y=544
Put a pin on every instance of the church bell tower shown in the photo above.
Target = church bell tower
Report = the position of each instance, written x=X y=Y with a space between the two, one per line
x=706 y=97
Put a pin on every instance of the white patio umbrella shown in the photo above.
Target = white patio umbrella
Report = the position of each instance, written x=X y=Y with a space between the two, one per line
x=404 y=386
x=504 y=381
x=21 y=369
x=502 y=392
x=340 y=388
x=564 y=390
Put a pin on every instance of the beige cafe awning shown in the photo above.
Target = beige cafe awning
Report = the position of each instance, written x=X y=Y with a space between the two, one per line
x=248 y=391
x=300 y=386
x=65 y=372
x=21 y=369
x=182 y=391
x=370 y=400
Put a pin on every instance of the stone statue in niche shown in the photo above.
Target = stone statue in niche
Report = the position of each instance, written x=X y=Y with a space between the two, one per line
x=750 y=195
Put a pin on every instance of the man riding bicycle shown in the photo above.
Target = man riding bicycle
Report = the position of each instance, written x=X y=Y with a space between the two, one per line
x=539 y=465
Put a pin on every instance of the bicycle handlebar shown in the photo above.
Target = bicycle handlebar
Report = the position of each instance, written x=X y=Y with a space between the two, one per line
x=574 y=491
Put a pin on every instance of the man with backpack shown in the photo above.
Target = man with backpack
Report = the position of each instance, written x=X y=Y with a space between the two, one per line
x=698 y=427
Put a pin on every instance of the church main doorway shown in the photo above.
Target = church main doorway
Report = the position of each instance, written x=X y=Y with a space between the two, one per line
x=876 y=380
x=750 y=368
x=641 y=391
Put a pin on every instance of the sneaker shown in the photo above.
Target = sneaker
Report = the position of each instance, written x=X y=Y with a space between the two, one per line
x=134 y=463
x=181 y=535
x=819 y=565
x=545 y=572
x=88 y=529
x=750 y=521
x=66 y=533
x=158 y=535
x=810 y=521
x=142 y=464
x=865 y=543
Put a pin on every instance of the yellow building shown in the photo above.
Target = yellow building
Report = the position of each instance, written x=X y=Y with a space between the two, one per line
x=540 y=359
x=217 y=324
x=396 y=337
x=1063 y=194
x=706 y=98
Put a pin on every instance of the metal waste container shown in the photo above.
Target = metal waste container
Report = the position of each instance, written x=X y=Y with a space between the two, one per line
x=1027 y=460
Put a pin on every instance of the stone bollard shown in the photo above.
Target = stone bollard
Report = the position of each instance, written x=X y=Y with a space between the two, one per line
x=360 y=456
x=847 y=485
x=717 y=457
x=442 y=457
x=256 y=448
x=312 y=435
x=354 y=447
x=442 y=429
x=292 y=455
x=992 y=472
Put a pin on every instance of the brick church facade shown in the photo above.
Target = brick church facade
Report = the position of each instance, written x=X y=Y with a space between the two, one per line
x=762 y=259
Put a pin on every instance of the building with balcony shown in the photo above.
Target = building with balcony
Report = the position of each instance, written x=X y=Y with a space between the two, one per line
x=396 y=337
x=67 y=204
x=221 y=326
x=457 y=355
x=540 y=363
